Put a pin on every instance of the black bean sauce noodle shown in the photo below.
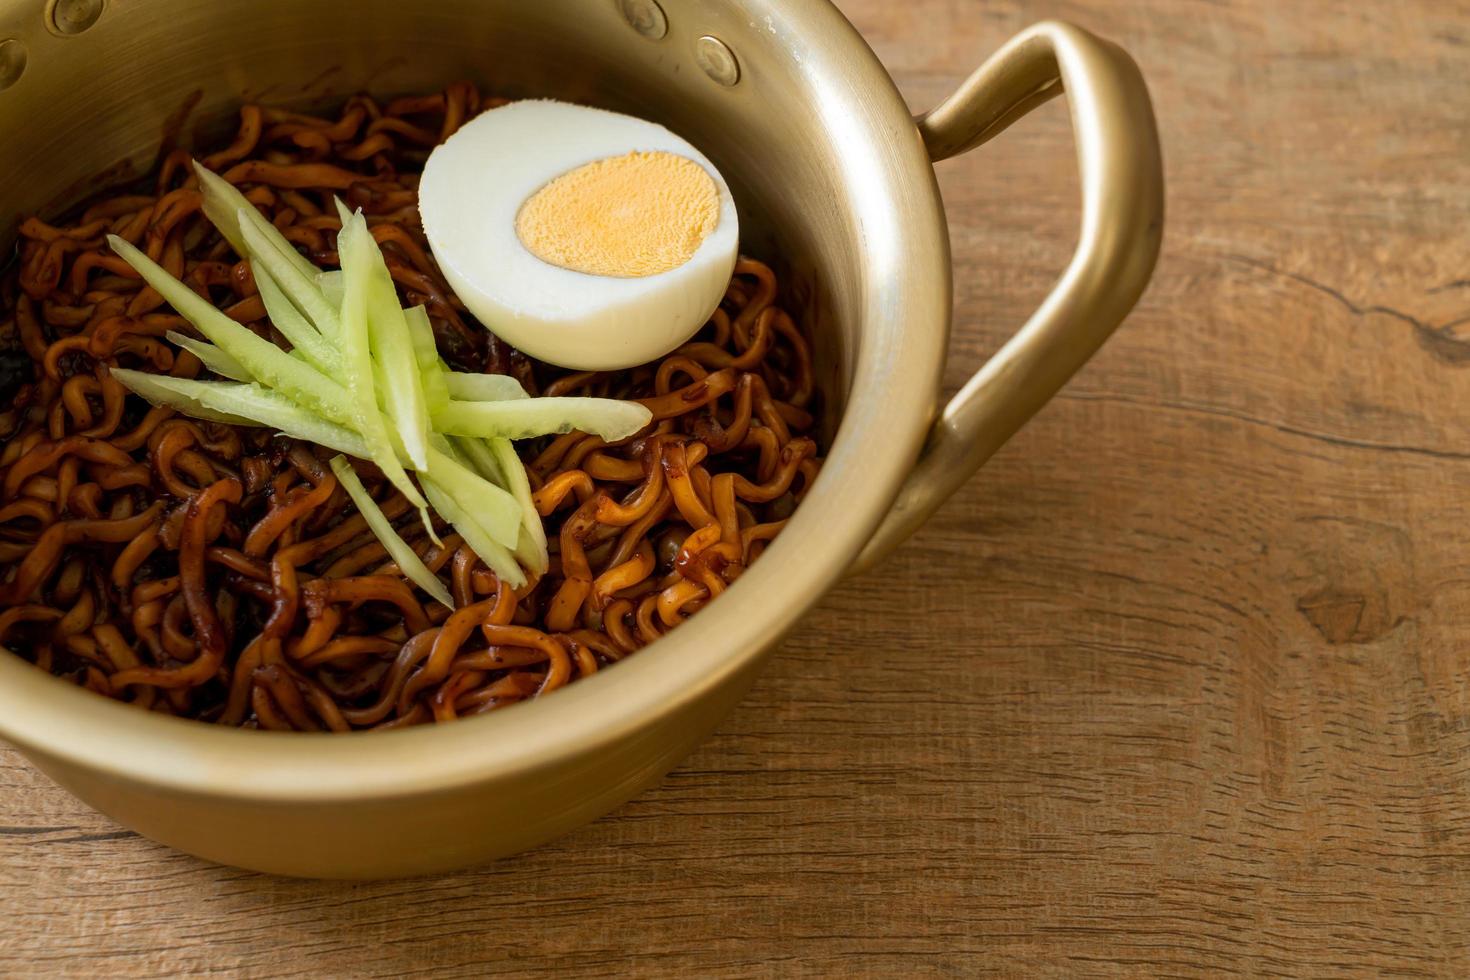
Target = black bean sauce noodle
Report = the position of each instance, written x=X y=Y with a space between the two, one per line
x=220 y=573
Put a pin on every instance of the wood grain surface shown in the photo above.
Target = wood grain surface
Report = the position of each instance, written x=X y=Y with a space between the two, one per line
x=1177 y=685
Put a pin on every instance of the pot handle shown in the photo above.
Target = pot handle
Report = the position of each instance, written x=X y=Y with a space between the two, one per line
x=1121 y=175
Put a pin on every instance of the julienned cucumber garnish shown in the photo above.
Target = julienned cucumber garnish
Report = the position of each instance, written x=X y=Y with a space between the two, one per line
x=363 y=378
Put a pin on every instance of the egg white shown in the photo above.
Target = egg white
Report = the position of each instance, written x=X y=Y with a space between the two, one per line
x=471 y=191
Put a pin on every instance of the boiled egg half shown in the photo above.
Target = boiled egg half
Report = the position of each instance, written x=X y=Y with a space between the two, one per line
x=585 y=238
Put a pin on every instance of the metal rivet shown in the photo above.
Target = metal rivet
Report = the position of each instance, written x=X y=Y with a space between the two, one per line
x=646 y=17
x=717 y=60
x=12 y=62
x=68 y=17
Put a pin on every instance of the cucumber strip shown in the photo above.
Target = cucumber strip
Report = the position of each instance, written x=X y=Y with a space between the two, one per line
x=529 y=555
x=402 y=457
x=330 y=283
x=421 y=336
x=483 y=387
x=494 y=509
x=241 y=404
x=497 y=558
x=265 y=361
x=276 y=411
x=408 y=560
x=297 y=284
x=292 y=325
x=210 y=356
x=358 y=363
x=531 y=542
x=222 y=204
x=449 y=446
x=431 y=368
x=158 y=389
x=393 y=351
x=514 y=479
x=477 y=455
x=608 y=418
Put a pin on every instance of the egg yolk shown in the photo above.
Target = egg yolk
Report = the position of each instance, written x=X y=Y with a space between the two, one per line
x=628 y=216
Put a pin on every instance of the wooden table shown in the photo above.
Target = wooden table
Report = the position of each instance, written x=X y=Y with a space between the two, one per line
x=1179 y=684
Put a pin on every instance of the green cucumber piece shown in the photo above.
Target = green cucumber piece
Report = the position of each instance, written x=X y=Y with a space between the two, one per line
x=495 y=509
x=357 y=361
x=293 y=325
x=297 y=284
x=431 y=368
x=330 y=283
x=408 y=560
x=496 y=557
x=222 y=205
x=160 y=390
x=608 y=418
x=393 y=351
x=477 y=455
x=264 y=361
x=483 y=387
x=210 y=356
x=514 y=479
x=241 y=404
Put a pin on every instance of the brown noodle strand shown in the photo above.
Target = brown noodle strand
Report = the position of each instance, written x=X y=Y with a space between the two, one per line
x=220 y=573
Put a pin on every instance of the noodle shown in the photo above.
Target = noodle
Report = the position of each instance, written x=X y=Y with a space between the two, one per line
x=220 y=573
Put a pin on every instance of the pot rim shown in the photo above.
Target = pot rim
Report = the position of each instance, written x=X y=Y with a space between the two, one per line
x=890 y=403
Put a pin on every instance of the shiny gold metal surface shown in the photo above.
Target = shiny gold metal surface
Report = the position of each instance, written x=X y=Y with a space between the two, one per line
x=1122 y=226
x=834 y=182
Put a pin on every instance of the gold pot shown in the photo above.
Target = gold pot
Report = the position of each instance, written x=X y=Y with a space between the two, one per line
x=834 y=181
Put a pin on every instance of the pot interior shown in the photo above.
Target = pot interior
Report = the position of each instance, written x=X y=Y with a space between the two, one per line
x=93 y=110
